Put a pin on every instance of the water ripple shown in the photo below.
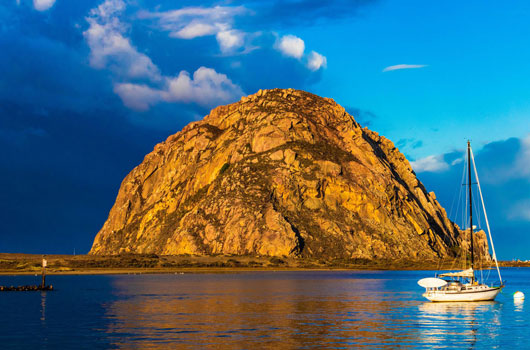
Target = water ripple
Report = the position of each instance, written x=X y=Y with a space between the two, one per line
x=279 y=310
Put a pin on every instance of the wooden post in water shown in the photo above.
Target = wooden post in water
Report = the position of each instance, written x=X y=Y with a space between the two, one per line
x=44 y=264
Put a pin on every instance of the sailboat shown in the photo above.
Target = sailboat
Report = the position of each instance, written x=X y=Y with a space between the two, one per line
x=463 y=286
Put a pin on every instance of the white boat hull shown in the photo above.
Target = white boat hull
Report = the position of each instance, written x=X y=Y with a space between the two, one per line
x=483 y=294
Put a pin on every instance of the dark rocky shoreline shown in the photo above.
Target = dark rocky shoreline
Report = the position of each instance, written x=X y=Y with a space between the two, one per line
x=152 y=263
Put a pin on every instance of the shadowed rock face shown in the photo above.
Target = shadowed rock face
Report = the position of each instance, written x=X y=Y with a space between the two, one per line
x=282 y=172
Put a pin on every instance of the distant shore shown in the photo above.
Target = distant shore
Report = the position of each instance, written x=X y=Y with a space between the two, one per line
x=28 y=264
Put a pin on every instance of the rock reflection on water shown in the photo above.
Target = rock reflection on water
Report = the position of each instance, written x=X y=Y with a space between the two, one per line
x=281 y=311
x=261 y=310
x=294 y=310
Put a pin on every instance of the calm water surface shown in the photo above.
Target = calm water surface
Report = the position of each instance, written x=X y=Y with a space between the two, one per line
x=271 y=310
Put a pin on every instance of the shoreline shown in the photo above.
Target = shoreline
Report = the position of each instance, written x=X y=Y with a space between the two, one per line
x=170 y=271
x=30 y=264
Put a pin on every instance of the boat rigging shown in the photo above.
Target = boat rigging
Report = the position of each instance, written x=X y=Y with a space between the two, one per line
x=463 y=285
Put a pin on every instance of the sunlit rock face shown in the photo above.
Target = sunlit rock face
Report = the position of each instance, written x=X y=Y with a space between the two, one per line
x=281 y=172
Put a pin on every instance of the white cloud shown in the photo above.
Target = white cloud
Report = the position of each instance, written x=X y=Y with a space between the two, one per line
x=139 y=97
x=42 y=5
x=403 y=66
x=230 y=40
x=206 y=88
x=430 y=163
x=315 y=61
x=457 y=161
x=193 y=22
x=109 y=48
x=194 y=30
x=291 y=46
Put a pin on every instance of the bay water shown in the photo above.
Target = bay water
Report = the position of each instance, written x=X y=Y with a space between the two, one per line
x=258 y=310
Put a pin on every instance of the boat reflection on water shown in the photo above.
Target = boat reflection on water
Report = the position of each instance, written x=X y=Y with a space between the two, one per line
x=458 y=323
x=299 y=310
x=258 y=310
x=464 y=309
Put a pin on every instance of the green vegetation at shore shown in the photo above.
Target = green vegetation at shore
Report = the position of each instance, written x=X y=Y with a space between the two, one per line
x=151 y=263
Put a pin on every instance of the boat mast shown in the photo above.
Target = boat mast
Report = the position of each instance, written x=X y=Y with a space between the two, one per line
x=470 y=207
x=486 y=217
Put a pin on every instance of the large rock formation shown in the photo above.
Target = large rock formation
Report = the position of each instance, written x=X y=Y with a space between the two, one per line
x=282 y=172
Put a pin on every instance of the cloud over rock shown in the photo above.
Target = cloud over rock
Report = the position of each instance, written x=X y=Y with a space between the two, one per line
x=434 y=163
x=316 y=61
x=206 y=88
x=110 y=48
x=291 y=45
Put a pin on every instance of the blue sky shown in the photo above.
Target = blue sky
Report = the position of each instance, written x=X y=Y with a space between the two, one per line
x=87 y=88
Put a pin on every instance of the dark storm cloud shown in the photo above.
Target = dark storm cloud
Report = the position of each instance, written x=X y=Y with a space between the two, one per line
x=505 y=185
x=61 y=178
x=67 y=140
x=43 y=61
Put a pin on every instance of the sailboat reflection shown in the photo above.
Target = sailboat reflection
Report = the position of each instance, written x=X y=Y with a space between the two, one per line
x=461 y=308
x=459 y=323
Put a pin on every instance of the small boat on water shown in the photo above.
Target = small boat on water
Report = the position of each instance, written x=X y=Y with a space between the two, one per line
x=464 y=286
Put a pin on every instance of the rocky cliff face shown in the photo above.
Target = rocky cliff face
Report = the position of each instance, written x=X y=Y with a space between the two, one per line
x=282 y=172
